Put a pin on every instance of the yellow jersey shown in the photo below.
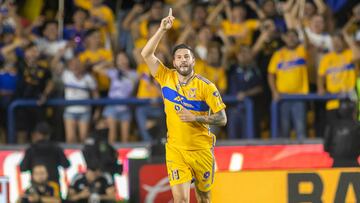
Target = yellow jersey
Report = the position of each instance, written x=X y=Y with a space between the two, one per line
x=106 y=15
x=233 y=29
x=289 y=67
x=85 y=4
x=200 y=97
x=93 y=57
x=148 y=87
x=339 y=72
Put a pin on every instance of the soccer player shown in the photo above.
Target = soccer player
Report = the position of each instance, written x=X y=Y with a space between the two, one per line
x=188 y=100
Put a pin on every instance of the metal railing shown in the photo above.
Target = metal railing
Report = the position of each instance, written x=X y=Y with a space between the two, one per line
x=285 y=97
x=11 y=135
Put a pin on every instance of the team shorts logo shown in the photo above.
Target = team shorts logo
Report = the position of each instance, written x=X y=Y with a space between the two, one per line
x=216 y=93
x=175 y=174
x=206 y=175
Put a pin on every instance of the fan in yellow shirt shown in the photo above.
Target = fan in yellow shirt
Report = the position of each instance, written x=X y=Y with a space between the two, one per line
x=236 y=24
x=192 y=103
x=287 y=74
x=95 y=53
x=101 y=17
x=337 y=72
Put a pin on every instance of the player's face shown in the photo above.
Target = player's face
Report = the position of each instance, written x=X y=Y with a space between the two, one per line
x=184 y=61
x=122 y=61
x=291 y=39
x=39 y=174
x=338 y=43
x=32 y=53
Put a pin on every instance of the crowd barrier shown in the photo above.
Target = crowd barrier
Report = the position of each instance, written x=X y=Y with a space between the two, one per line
x=248 y=104
x=285 y=97
x=11 y=135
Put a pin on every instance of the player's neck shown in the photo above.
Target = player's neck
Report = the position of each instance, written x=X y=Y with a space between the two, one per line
x=185 y=79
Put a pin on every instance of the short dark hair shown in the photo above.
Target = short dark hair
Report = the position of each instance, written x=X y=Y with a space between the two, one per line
x=49 y=22
x=43 y=128
x=91 y=31
x=30 y=45
x=182 y=46
x=82 y=10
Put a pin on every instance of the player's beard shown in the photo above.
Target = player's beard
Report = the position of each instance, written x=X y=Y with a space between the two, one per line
x=184 y=70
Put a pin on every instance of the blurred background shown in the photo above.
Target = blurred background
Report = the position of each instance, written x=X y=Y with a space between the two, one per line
x=81 y=118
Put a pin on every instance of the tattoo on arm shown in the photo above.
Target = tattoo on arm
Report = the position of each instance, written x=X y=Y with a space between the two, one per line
x=218 y=118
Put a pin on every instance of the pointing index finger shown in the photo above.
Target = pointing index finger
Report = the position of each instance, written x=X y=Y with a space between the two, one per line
x=170 y=12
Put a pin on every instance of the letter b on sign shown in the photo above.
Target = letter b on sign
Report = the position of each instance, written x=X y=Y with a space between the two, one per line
x=296 y=180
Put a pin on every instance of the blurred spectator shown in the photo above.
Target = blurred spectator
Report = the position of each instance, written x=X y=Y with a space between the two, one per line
x=76 y=31
x=303 y=9
x=9 y=79
x=213 y=67
x=352 y=27
x=8 y=15
x=287 y=74
x=356 y=22
x=199 y=16
x=148 y=88
x=342 y=138
x=244 y=81
x=155 y=13
x=337 y=73
x=265 y=46
x=270 y=11
x=34 y=83
x=126 y=40
x=44 y=151
x=91 y=186
x=49 y=43
x=96 y=53
x=84 y=4
x=236 y=25
x=102 y=18
x=78 y=84
x=41 y=189
x=204 y=37
x=123 y=80
x=98 y=151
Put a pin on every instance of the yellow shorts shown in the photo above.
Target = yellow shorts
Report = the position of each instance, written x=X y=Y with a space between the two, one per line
x=183 y=166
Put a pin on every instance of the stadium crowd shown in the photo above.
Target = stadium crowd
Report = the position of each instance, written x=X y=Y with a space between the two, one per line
x=249 y=49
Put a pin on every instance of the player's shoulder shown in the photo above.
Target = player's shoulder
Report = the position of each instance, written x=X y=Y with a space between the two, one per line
x=203 y=79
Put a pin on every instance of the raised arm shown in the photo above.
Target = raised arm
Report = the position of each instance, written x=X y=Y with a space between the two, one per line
x=148 y=52
x=216 y=12
x=185 y=34
x=352 y=44
x=259 y=12
x=131 y=16
x=321 y=6
x=291 y=13
x=260 y=42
